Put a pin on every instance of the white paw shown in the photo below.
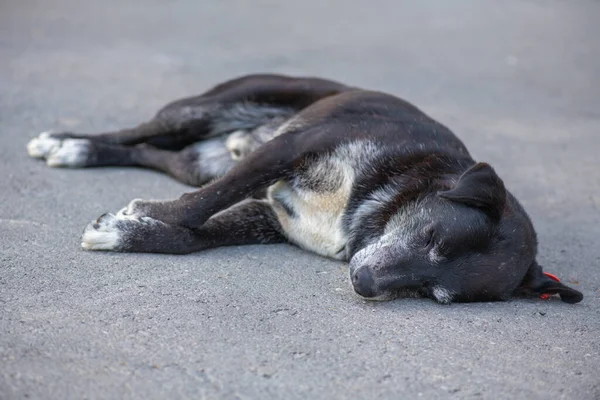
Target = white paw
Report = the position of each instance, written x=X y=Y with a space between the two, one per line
x=118 y=232
x=102 y=234
x=70 y=153
x=42 y=145
x=59 y=152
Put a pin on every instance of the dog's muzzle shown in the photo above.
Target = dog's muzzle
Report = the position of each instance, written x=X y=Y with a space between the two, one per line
x=362 y=280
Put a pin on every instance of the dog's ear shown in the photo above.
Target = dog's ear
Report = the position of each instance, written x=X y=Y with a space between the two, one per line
x=537 y=282
x=480 y=187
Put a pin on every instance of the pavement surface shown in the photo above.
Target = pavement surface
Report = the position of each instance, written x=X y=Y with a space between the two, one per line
x=518 y=81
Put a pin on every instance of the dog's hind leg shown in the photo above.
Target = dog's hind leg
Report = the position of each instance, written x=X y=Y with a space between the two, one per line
x=242 y=103
x=175 y=127
x=194 y=165
x=46 y=143
x=252 y=222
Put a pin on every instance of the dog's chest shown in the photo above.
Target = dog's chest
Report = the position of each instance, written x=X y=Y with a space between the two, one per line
x=310 y=206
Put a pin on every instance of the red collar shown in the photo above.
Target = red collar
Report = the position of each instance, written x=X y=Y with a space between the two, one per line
x=546 y=296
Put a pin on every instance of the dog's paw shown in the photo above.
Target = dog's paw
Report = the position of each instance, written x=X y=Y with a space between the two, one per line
x=42 y=145
x=60 y=152
x=71 y=153
x=103 y=234
x=156 y=210
x=117 y=232
x=135 y=208
x=139 y=208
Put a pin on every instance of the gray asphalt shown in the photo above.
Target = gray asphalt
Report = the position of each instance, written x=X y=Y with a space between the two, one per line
x=517 y=80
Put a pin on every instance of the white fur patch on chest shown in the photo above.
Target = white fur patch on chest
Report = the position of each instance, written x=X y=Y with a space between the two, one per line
x=317 y=198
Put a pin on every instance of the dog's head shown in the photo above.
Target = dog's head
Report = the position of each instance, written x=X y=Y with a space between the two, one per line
x=471 y=242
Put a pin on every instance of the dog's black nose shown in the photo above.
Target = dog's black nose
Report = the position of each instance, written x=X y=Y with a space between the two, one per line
x=362 y=280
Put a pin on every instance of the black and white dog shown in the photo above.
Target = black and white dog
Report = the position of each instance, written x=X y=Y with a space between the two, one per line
x=350 y=174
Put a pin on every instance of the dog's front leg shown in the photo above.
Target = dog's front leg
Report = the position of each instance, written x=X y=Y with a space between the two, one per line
x=251 y=222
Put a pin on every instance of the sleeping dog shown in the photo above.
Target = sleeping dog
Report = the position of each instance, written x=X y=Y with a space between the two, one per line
x=350 y=174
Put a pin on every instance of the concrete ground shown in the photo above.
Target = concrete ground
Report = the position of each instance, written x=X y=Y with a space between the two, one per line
x=518 y=81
